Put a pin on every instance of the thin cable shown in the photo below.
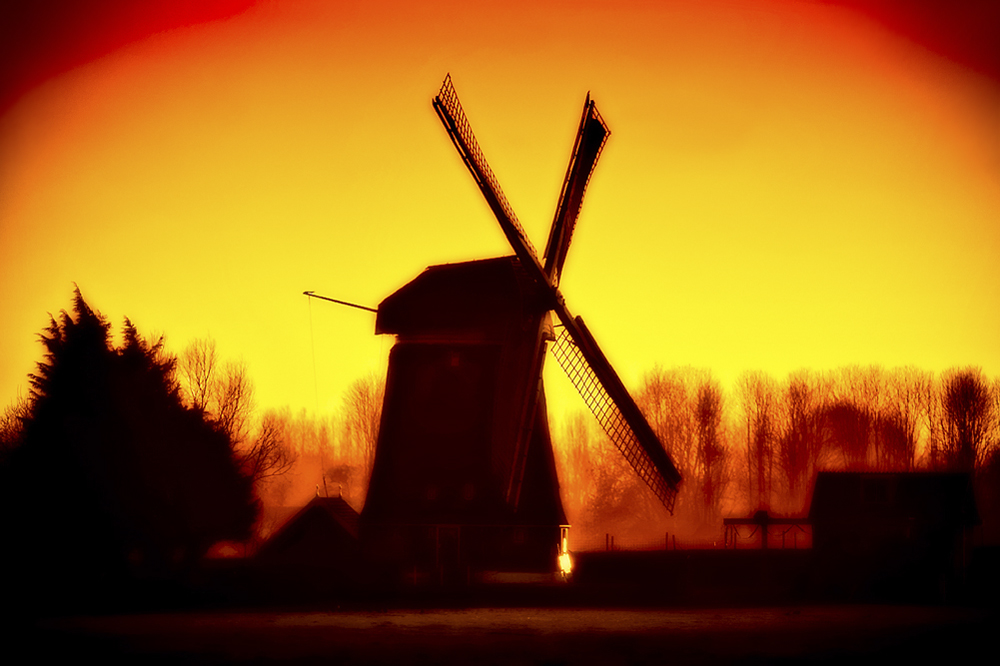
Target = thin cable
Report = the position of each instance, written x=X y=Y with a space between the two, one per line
x=312 y=343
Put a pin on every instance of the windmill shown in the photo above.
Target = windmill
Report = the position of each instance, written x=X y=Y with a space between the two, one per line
x=464 y=477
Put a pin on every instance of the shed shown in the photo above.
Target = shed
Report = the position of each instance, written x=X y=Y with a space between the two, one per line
x=323 y=534
x=893 y=530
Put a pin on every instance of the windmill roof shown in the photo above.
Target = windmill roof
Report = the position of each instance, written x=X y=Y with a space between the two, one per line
x=484 y=295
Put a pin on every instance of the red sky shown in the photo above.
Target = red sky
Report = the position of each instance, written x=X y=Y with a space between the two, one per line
x=788 y=183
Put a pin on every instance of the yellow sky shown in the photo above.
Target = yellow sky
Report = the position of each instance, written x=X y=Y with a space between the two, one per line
x=787 y=185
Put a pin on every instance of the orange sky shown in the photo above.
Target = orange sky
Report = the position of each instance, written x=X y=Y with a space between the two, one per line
x=787 y=184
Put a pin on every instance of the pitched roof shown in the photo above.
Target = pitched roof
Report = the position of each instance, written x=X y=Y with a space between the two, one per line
x=339 y=510
x=321 y=515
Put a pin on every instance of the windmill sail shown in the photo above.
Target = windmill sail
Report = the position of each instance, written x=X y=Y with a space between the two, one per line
x=590 y=140
x=577 y=350
x=450 y=111
x=617 y=413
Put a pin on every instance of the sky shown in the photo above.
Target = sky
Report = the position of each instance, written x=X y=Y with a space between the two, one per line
x=788 y=183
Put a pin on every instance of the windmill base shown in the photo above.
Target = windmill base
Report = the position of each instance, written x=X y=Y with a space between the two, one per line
x=457 y=555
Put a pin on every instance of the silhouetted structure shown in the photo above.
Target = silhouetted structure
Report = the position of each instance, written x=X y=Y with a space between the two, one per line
x=323 y=533
x=893 y=533
x=464 y=479
x=314 y=552
x=762 y=522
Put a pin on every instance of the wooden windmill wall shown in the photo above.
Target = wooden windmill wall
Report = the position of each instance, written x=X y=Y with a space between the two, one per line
x=462 y=362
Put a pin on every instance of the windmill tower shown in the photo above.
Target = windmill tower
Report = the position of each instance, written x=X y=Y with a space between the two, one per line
x=464 y=478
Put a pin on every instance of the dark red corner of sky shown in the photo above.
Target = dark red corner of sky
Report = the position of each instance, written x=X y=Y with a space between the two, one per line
x=964 y=31
x=42 y=38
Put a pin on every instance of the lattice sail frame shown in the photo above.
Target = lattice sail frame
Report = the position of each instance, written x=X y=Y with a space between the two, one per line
x=472 y=155
x=580 y=372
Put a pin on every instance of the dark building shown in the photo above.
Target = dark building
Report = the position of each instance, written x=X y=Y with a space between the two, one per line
x=439 y=503
x=316 y=548
x=898 y=534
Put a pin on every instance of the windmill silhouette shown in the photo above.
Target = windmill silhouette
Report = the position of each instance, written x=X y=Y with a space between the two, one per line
x=464 y=478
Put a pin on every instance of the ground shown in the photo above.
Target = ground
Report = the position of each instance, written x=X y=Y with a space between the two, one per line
x=811 y=634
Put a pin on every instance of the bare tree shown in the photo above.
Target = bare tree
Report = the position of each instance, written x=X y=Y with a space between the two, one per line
x=801 y=444
x=901 y=418
x=757 y=394
x=571 y=451
x=225 y=393
x=684 y=406
x=198 y=364
x=664 y=399
x=269 y=454
x=614 y=499
x=864 y=386
x=232 y=401
x=361 y=418
x=849 y=433
x=711 y=458
x=309 y=445
x=969 y=417
x=12 y=422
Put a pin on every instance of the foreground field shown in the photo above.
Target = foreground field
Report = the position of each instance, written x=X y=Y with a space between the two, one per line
x=524 y=636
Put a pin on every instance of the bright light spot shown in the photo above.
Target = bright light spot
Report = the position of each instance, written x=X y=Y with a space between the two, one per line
x=565 y=563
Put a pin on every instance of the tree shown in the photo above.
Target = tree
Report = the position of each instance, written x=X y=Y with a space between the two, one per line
x=684 y=406
x=571 y=449
x=361 y=419
x=269 y=455
x=711 y=458
x=12 y=426
x=969 y=417
x=756 y=392
x=114 y=478
x=802 y=441
x=900 y=419
x=605 y=496
x=198 y=364
x=223 y=391
x=225 y=394
x=849 y=432
x=873 y=417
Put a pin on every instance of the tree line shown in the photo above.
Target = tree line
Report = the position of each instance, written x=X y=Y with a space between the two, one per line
x=171 y=453
x=761 y=444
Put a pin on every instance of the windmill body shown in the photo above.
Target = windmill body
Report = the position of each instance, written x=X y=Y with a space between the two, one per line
x=464 y=357
x=464 y=478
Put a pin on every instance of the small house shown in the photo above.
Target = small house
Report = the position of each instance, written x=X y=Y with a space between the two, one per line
x=893 y=532
x=316 y=548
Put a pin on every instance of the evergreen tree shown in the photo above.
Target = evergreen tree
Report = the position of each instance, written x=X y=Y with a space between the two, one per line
x=114 y=480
